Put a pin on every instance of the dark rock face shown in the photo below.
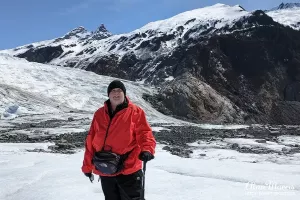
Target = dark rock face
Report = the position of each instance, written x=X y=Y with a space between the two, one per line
x=261 y=68
x=43 y=54
x=292 y=91
x=108 y=65
x=285 y=111
x=192 y=99
x=252 y=71
x=257 y=70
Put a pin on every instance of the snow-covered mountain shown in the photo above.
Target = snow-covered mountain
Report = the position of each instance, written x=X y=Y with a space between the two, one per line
x=221 y=58
x=83 y=49
x=286 y=6
x=77 y=47
x=287 y=14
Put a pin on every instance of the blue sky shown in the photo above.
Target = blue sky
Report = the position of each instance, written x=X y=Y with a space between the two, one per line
x=27 y=21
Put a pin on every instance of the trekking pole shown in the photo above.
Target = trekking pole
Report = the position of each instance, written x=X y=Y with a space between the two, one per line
x=144 y=171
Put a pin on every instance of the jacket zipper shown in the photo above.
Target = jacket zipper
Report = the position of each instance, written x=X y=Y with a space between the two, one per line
x=106 y=134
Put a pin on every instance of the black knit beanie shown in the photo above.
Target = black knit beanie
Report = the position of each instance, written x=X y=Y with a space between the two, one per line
x=116 y=84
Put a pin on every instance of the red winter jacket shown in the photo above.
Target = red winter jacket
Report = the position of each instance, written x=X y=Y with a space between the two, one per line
x=128 y=130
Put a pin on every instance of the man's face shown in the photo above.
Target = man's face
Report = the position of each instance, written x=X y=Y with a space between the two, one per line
x=116 y=96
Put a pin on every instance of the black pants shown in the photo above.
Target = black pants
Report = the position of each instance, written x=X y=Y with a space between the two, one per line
x=123 y=187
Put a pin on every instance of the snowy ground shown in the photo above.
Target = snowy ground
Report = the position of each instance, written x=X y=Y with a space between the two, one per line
x=45 y=176
x=34 y=93
x=219 y=150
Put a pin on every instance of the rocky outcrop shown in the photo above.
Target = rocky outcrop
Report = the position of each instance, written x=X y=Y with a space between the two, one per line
x=42 y=54
x=100 y=33
x=192 y=99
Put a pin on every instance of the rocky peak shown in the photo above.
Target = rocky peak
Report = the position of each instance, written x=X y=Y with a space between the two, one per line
x=79 y=32
x=242 y=8
x=79 y=29
x=101 y=33
x=101 y=28
x=287 y=6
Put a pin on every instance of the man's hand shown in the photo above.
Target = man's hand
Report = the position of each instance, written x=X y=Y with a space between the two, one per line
x=90 y=176
x=146 y=156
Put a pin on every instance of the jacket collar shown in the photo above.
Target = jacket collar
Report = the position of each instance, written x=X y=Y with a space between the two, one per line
x=120 y=107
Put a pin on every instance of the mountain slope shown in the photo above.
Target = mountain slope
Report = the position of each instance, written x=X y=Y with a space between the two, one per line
x=287 y=14
x=51 y=90
x=49 y=50
x=283 y=6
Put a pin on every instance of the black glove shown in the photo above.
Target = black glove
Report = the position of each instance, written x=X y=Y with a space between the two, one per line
x=90 y=176
x=146 y=156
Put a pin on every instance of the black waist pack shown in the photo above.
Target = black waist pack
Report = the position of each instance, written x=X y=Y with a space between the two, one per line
x=108 y=162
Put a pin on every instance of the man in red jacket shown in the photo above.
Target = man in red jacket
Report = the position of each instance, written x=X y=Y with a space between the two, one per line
x=119 y=139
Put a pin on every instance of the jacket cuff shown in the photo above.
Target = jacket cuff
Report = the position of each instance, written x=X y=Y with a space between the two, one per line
x=149 y=149
x=86 y=169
